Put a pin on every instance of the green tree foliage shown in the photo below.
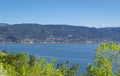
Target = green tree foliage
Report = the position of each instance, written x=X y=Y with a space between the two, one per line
x=106 y=61
x=66 y=70
x=32 y=60
x=4 y=51
x=20 y=64
x=3 y=72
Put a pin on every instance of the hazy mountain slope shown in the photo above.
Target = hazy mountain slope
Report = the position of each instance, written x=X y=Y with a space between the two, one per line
x=56 y=34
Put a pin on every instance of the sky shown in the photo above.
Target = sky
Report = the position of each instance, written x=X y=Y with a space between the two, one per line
x=92 y=13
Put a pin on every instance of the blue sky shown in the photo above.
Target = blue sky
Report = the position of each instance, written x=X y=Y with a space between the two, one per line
x=94 y=13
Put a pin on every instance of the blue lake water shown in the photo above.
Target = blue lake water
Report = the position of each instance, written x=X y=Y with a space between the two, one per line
x=81 y=54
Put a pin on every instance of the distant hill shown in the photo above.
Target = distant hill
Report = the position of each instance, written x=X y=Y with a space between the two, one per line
x=3 y=24
x=36 y=33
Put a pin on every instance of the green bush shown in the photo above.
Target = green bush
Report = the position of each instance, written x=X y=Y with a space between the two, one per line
x=20 y=64
x=106 y=61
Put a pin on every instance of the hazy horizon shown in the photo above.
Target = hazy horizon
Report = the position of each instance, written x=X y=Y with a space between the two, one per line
x=66 y=25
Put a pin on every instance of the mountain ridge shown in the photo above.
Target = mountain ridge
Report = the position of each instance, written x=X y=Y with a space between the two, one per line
x=38 y=33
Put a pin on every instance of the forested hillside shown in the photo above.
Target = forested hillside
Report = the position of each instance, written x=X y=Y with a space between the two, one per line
x=36 y=33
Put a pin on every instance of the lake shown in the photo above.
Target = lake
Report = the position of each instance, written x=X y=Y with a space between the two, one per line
x=81 y=54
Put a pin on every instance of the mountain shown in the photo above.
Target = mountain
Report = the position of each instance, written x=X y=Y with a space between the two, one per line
x=37 y=33
x=3 y=24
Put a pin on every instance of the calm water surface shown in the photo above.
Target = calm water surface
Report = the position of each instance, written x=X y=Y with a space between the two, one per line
x=74 y=53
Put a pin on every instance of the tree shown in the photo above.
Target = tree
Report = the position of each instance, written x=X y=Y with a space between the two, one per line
x=106 y=61
x=32 y=60
x=4 y=51
x=68 y=70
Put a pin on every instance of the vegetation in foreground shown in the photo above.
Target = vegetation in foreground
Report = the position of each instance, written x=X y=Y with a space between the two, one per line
x=21 y=64
x=106 y=63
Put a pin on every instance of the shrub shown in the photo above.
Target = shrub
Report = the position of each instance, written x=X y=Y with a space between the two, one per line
x=21 y=64
x=106 y=61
